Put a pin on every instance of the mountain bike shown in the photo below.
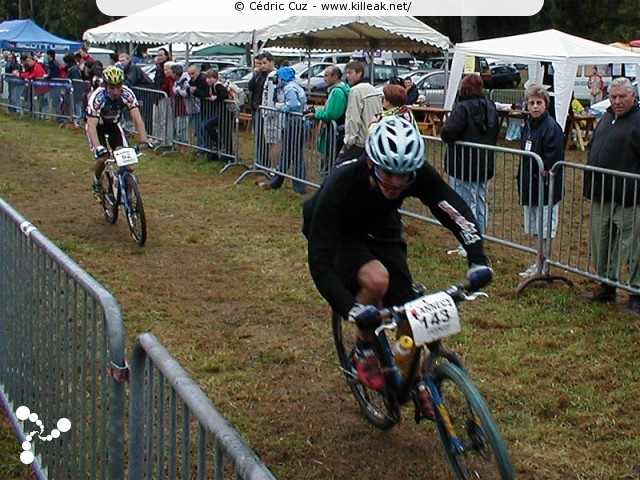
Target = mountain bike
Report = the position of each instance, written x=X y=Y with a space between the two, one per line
x=120 y=187
x=471 y=439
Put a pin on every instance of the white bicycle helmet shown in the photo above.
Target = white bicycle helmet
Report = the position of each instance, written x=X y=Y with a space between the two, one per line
x=395 y=146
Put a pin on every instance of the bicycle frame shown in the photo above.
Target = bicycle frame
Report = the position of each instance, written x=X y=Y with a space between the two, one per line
x=471 y=439
x=119 y=173
x=121 y=187
x=434 y=351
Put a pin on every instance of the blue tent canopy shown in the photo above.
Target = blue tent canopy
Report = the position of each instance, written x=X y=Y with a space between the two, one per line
x=27 y=36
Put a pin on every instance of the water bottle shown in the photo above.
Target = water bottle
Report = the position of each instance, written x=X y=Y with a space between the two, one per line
x=402 y=353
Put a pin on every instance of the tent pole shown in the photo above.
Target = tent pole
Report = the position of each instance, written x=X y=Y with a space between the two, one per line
x=308 y=70
x=446 y=71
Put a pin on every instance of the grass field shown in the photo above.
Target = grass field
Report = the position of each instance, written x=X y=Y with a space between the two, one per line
x=223 y=283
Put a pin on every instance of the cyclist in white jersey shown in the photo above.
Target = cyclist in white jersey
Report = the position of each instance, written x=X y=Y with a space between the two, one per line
x=104 y=112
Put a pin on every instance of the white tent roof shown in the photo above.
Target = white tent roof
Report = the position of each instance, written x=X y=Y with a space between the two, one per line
x=173 y=22
x=399 y=33
x=564 y=51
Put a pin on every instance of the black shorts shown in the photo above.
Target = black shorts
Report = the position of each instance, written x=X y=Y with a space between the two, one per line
x=117 y=137
x=392 y=254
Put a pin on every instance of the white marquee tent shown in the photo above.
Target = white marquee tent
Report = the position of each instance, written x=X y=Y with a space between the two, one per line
x=565 y=52
x=166 y=23
x=396 y=33
x=174 y=22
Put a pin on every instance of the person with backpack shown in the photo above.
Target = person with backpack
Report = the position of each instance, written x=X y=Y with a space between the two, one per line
x=330 y=142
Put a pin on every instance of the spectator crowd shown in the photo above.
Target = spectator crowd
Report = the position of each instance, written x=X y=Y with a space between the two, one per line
x=204 y=113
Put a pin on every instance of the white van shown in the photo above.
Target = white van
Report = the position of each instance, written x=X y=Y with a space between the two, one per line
x=333 y=58
x=580 y=89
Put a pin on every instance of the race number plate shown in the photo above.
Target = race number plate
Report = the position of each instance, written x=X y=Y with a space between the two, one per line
x=432 y=317
x=125 y=156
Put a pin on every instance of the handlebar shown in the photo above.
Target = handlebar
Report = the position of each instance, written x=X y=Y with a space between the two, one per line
x=391 y=317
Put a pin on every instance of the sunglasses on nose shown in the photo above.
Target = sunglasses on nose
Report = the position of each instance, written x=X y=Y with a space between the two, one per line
x=384 y=179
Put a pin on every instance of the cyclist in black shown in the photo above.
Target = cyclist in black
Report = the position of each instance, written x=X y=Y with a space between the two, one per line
x=104 y=112
x=357 y=256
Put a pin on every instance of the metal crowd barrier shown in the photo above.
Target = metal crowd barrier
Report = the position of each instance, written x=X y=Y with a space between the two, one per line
x=79 y=97
x=573 y=249
x=176 y=432
x=504 y=224
x=15 y=96
x=61 y=356
x=208 y=126
x=279 y=145
x=52 y=99
x=509 y=96
x=287 y=145
x=154 y=108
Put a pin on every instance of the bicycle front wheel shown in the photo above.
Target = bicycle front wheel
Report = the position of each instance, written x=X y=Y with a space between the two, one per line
x=109 y=202
x=471 y=439
x=380 y=408
x=134 y=209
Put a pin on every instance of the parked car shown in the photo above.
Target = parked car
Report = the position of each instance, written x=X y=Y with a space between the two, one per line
x=244 y=81
x=302 y=71
x=332 y=58
x=431 y=84
x=234 y=73
x=502 y=76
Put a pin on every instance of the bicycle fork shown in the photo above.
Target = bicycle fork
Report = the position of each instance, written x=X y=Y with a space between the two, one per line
x=123 y=191
x=478 y=432
x=444 y=415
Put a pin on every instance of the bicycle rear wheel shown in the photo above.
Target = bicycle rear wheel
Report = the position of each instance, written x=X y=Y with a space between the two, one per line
x=109 y=201
x=379 y=407
x=135 y=210
x=471 y=439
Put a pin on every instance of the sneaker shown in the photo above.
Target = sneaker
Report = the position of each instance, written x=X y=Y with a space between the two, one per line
x=368 y=369
x=459 y=250
x=633 y=305
x=424 y=402
x=530 y=271
x=604 y=294
x=96 y=188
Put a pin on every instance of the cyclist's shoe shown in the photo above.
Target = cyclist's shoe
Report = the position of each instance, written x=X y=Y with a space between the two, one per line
x=423 y=401
x=366 y=363
x=96 y=188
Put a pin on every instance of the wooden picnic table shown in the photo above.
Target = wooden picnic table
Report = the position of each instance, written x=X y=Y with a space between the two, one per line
x=582 y=126
x=430 y=119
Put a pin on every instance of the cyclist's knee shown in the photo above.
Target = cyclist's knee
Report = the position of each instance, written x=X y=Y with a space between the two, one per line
x=373 y=278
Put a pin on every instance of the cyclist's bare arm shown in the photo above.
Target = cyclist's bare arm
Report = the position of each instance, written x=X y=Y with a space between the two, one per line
x=92 y=132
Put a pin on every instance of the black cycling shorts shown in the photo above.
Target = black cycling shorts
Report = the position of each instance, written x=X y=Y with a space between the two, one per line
x=354 y=255
x=117 y=137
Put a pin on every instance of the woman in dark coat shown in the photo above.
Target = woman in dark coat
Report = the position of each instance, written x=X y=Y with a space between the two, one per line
x=474 y=119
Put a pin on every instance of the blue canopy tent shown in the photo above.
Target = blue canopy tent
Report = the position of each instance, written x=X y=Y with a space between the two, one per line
x=27 y=36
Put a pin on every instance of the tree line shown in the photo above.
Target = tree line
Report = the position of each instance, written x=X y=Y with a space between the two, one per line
x=604 y=21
